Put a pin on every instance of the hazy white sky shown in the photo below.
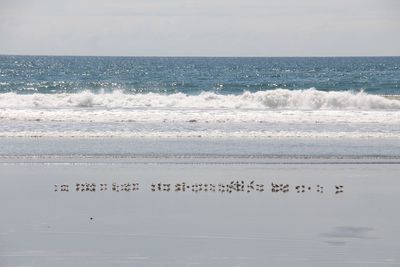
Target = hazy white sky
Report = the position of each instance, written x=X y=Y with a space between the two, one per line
x=200 y=27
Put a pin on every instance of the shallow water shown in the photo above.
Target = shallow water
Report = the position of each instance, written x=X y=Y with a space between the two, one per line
x=286 y=148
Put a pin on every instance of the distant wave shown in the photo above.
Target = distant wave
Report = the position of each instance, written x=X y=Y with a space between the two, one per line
x=309 y=99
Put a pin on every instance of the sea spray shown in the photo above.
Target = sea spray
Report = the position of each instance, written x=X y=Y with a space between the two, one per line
x=279 y=99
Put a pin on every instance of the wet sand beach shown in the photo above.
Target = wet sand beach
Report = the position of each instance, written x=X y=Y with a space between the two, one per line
x=351 y=221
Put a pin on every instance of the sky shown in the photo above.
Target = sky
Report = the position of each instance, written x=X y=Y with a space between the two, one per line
x=200 y=27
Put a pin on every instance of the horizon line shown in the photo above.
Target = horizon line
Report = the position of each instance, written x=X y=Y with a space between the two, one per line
x=189 y=56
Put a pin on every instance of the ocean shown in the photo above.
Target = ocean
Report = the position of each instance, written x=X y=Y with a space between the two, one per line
x=173 y=105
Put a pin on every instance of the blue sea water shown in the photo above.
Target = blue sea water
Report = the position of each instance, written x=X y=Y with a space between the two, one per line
x=47 y=74
x=203 y=105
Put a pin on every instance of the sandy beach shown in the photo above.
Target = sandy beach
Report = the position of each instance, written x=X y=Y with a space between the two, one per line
x=44 y=224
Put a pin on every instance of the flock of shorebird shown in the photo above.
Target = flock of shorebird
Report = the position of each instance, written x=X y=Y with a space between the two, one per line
x=236 y=186
x=232 y=186
x=92 y=187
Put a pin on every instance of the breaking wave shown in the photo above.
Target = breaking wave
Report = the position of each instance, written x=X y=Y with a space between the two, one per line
x=309 y=99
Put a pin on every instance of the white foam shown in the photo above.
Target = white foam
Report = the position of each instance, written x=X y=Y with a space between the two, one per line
x=309 y=99
x=278 y=114
x=201 y=116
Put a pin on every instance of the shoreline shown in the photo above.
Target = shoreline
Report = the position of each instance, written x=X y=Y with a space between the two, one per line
x=131 y=148
x=198 y=159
